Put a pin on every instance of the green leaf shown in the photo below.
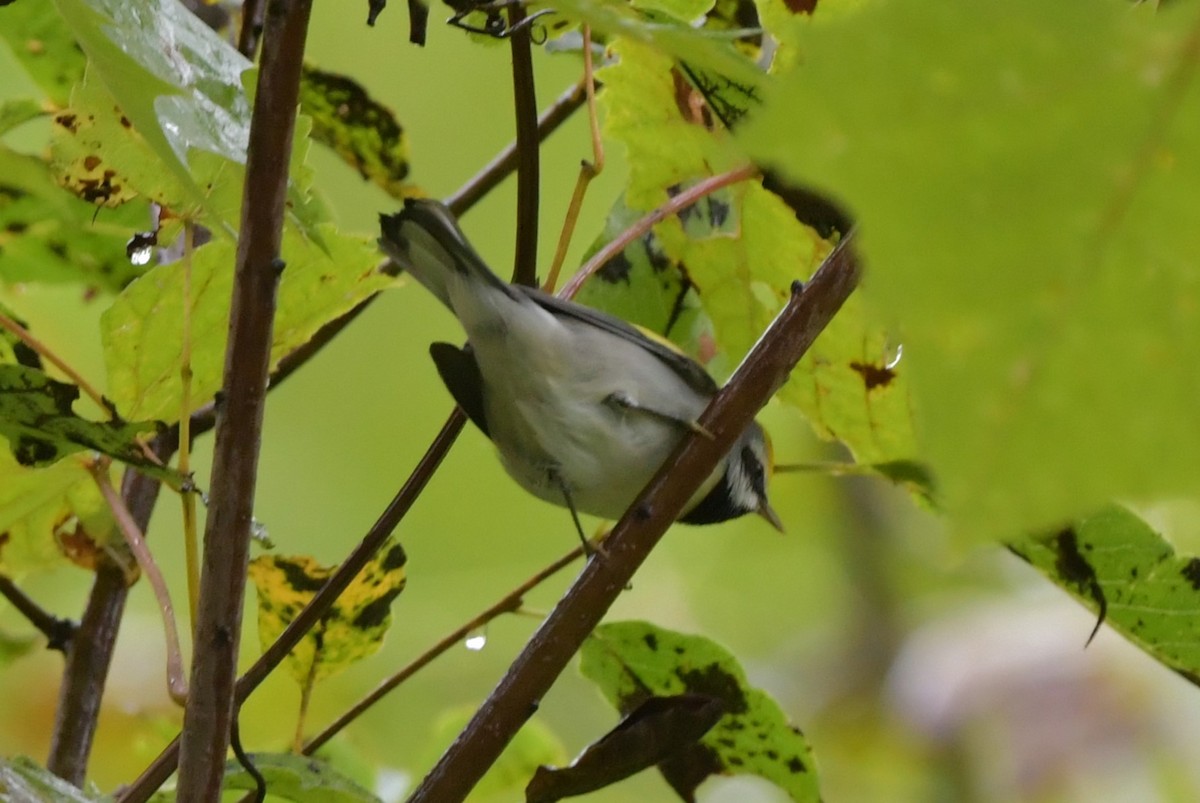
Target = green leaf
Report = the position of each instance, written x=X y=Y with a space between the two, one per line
x=1025 y=180
x=713 y=50
x=44 y=46
x=742 y=250
x=351 y=630
x=1119 y=567
x=49 y=236
x=175 y=80
x=22 y=779
x=645 y=287
x=17 y=112
x=142 y=335
x=48 y=514
x=361 y=130
x=298 y=778
x=632 y=660
x=36 y=416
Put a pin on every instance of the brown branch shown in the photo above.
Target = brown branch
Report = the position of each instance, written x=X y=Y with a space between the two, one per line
x=507 y=604
x=58 y=632
x=162 y=767
x=89 y=656
x=528 y=156
x=252 y=21
x=763 y=371
x=209 y=711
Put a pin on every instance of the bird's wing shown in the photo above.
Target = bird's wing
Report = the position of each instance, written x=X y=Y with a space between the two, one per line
x=460 y=373
x=690 y=371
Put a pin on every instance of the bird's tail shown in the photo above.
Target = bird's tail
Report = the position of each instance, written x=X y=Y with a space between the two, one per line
x=424 y=239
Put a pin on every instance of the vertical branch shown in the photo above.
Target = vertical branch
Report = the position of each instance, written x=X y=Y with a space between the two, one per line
x=528 y=166
x=89 y=655
x=763 y=371
x=209 y=710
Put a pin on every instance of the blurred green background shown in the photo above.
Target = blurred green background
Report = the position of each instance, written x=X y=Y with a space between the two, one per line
x=918 y=671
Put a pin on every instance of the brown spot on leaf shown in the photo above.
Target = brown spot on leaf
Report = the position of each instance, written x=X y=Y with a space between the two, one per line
x=1073 y=568
x=67 y=121
x=91 y=162
x=801 y=6
x=873 y=376
x=1191 y=573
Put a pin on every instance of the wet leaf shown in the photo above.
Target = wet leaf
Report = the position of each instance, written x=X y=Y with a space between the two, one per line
x=23 y=779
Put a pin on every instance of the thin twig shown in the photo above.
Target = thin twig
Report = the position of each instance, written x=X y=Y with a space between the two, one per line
x=509 y=603
x=188 y=498
x=176 y=680
x=58 y=632
x=48 y=354
x=550 y=649
x=90 y=655
x=209 y=712
x=587 y=170
x=528 y=155
x=673 y=206
x=162 y=767
x=252 y=12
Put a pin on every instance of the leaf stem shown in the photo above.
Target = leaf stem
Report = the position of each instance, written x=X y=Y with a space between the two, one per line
x=187 y=498
x=176 y=680
x=48 y=354
x=673 y=206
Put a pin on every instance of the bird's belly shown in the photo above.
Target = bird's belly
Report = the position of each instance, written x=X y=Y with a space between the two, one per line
x=603 y=457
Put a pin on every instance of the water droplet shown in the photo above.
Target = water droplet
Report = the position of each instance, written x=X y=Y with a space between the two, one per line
x=476 y=640
x=893 y=355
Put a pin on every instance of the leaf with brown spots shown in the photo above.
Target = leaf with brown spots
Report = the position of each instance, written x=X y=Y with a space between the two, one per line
x=1119 y=567
x=635 y=661
x=351 y=630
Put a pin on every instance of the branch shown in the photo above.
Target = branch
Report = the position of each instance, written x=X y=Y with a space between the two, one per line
x=528 y=164
x=89 y=656
x=763 y=371
x=58 y=632
x=507 y=604
x=162 y=767
x=218 y=625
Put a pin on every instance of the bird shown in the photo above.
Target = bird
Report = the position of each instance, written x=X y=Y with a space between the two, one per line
x=582 y=407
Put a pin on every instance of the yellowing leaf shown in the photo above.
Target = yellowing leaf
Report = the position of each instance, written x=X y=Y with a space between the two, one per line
x=48 y=514
x=142 y=335
x=350 y=631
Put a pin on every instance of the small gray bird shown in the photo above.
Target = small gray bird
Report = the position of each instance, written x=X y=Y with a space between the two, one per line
x=583 y=407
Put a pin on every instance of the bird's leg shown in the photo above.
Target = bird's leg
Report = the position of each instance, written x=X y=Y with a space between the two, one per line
x=589 y=548
x=623 y=401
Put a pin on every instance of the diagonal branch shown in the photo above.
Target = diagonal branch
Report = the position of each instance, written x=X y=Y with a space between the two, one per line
x=763 y=371
x=58 y=632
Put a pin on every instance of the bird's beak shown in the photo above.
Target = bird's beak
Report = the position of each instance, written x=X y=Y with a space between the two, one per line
x=764 y=510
